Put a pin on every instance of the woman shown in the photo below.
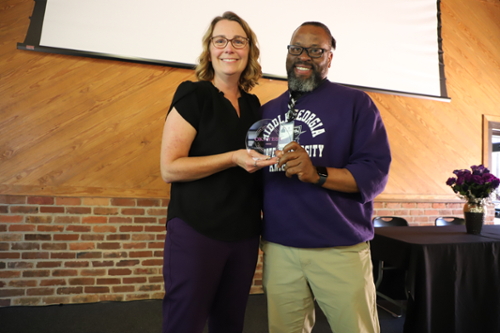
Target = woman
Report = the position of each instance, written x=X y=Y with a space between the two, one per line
x=214 y=215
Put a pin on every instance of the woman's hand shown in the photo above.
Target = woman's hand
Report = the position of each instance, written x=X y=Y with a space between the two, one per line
x=251 y=161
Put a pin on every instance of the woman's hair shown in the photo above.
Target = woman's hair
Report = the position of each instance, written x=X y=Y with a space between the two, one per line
x=253 y=71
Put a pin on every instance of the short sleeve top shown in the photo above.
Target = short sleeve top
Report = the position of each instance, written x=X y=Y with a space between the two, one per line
x=226 y=205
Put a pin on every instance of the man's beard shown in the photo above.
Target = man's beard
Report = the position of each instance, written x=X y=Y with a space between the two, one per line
x=296 y=83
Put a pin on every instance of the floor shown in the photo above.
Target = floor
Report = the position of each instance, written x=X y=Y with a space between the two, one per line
x=137 y=317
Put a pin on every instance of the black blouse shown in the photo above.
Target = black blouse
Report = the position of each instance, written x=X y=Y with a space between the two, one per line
x=226 y=205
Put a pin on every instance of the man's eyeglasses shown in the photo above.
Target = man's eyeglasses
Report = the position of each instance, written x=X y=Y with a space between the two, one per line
x=313 y=52
x=238 y=42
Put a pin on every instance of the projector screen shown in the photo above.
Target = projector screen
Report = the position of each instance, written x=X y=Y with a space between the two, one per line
x=390 y=46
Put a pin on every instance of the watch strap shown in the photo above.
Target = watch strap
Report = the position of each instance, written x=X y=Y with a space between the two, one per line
x=323 y=174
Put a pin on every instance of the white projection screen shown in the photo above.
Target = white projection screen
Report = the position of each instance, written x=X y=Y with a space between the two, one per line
x=389 y=46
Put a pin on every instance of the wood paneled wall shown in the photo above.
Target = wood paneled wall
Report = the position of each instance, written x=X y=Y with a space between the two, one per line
x=74 y=126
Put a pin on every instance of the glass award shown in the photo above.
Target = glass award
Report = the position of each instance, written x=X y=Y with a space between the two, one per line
x=266 y=135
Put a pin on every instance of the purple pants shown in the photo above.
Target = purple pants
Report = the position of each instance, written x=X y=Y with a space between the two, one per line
x=205 y=279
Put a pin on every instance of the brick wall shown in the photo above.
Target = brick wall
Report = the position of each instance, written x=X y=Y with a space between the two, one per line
x=425 y=213
x=76 y=250
x=57 y=250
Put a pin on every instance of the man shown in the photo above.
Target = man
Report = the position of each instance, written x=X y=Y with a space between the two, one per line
x=318 y=200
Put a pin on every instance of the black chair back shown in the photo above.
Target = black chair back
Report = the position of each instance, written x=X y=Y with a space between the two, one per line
x=389 y=221
x=397 y=275
x=449 y=220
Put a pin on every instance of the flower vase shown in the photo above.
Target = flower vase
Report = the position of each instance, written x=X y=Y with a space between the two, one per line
x=474 y=217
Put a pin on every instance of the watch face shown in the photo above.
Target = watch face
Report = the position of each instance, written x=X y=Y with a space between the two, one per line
x=322 y=171
x=323 y=174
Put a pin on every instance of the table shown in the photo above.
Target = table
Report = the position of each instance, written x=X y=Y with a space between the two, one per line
x=453 y=277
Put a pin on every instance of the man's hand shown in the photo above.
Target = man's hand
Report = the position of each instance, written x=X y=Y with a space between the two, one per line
x=296 y=161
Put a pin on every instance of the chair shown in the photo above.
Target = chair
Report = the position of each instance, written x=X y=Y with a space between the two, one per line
x=388 y=221
x=449 y=220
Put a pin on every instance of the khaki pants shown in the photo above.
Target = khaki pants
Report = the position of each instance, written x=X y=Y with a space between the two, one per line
x=340 y=280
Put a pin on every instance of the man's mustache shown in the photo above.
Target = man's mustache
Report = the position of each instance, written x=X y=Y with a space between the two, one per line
x=297 y=63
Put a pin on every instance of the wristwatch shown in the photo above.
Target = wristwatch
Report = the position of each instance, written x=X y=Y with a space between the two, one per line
x=322 y=173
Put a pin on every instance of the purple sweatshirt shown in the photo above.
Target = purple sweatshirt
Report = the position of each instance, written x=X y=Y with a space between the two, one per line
x=339 y=127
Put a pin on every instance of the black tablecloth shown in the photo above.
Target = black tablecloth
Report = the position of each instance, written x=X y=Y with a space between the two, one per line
x=453 y=277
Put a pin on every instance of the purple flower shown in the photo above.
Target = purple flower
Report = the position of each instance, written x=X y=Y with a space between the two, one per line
x=463 y=177
x=461 y=173
x=488 y=177
x=451 y=181
x=476 y=183
x=476 y=179
x=479 y=169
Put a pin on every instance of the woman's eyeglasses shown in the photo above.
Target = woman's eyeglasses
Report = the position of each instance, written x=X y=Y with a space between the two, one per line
x=238 y=42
